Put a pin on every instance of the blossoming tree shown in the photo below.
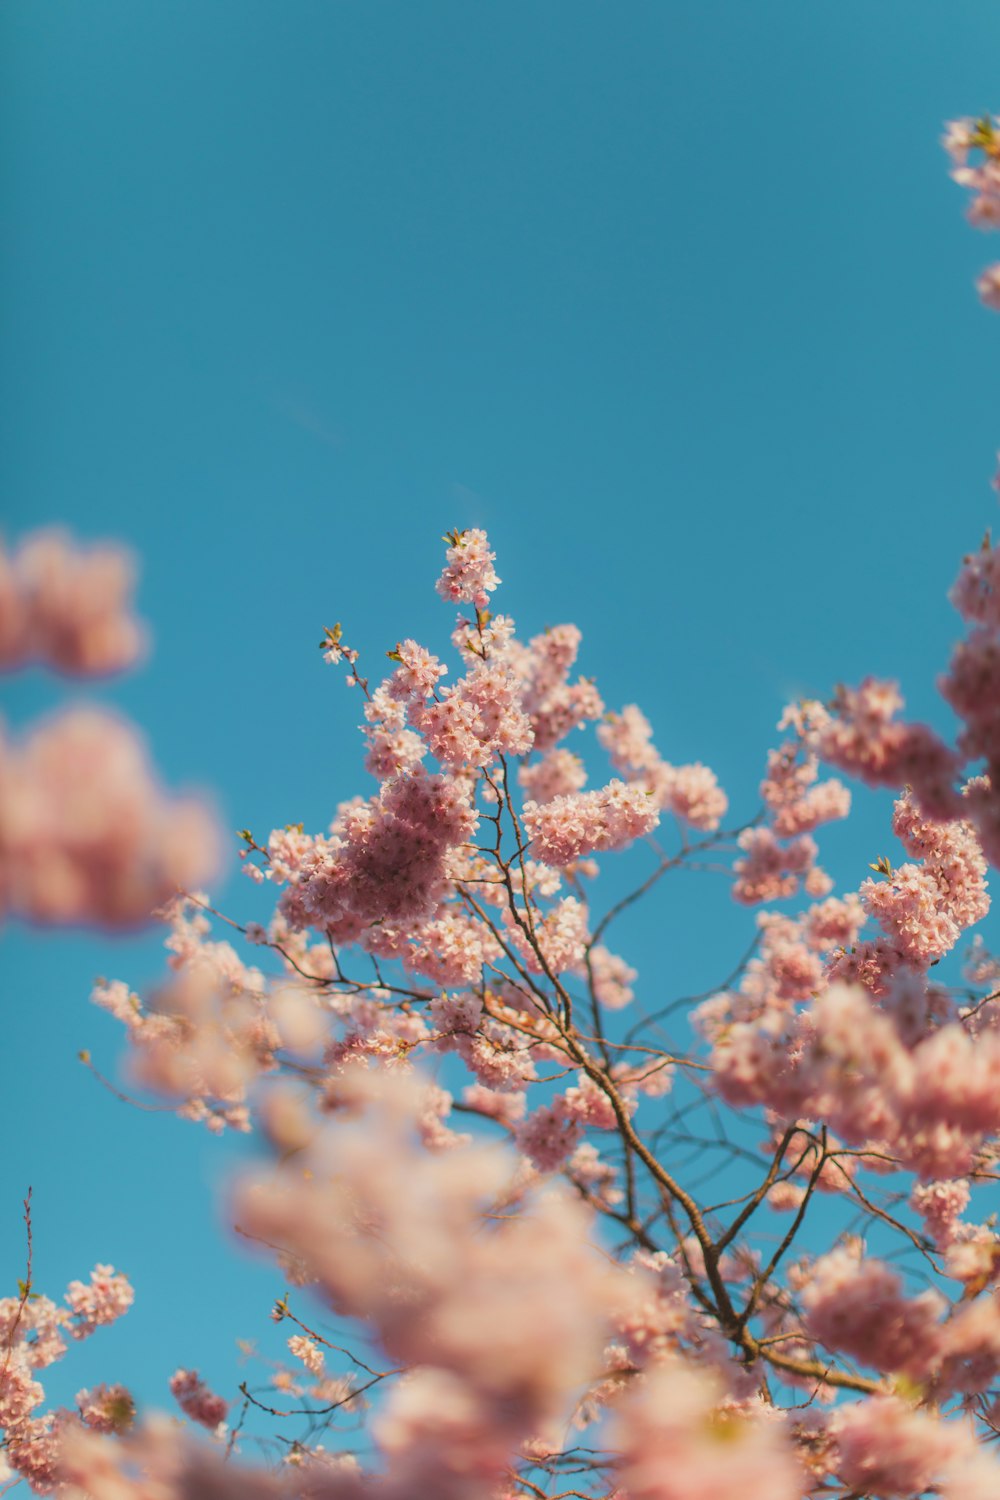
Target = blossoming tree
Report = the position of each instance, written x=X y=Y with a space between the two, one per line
x=474 y=1160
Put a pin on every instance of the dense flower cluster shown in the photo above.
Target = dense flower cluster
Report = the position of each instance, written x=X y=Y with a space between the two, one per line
x=86 y=833
x=196 y=1400
x=974 y=148
x=387 y=859
x=470 y=576
x=692 y=793
x=67 y=607
x=564 y=828
x=33 y=1335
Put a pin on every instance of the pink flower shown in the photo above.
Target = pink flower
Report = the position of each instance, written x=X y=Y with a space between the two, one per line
x=105 y=1299
x=389 y=864
x=588 y=822
x=308 y=1351
x=612 y=978
x=417 y=674
x=681 y=1439
x=769 y=871
x=548 y=1136
x=857 y=1306
x=988 y=283
x=976 y=592
x=469 y=576
x=67 y=607
x=941 y=1204
x=889 y=1448
x=515 y=1307
x=558 y=774
x=86 y=834
x=196 y=1400
x=834 y=923
x=106 y=1408
x=692 y=793
x=554 y=704
x=863 y=739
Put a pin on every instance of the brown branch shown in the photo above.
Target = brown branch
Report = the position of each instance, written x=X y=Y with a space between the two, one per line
x=25 y=1285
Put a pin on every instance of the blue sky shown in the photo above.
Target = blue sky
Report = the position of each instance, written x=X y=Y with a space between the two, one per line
x=675 y=299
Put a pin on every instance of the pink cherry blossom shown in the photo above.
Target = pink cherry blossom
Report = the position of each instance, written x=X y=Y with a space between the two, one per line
x=86 y=834
x=67 y=607
x=470 y=576
x=106 y=1408
x=104 y=1299
x=308 y=1351
x=681 y=1440
x=196 y=1400
x=584 y=822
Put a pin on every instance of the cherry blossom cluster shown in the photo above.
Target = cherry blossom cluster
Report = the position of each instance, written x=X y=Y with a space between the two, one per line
x=469 y=576
x=864 y=737
x=929 y=1105
x=974 y=149
x=589 y=822
x=778 y=855
x=692 y=793
x=392 y=1238
x=216 y=1026
x=86 y=833
x=923 y=909
x=67 y=607
x=33 y=1335
x=196 y=1400
x=797 y=802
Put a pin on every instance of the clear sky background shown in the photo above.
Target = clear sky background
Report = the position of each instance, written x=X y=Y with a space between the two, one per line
x=675 y=299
